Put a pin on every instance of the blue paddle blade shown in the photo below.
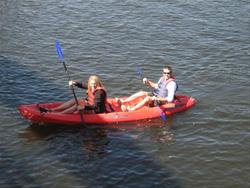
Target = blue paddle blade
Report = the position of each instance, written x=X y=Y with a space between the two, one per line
x=163 y=116
x=59 y=51
x=139 y=71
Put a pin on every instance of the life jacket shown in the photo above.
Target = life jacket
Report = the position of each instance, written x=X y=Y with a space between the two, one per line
x=91 y=99
x=161 y=90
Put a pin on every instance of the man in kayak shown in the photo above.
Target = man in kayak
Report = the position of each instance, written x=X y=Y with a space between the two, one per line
x=96 y=101
x=163 y=92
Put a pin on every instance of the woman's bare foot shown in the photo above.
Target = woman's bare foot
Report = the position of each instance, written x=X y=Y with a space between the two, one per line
x=44 y=110
x=119 y=101
x=125 y=108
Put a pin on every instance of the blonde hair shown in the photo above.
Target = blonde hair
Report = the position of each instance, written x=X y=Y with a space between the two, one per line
x=96 y=79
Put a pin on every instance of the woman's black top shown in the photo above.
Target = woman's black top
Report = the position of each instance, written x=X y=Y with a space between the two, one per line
x=99 y=100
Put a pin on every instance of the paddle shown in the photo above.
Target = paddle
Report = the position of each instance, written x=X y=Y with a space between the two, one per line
x=163 y=116
x=61 y=57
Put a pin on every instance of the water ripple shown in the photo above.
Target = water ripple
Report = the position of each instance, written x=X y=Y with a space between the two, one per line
x=206 y=43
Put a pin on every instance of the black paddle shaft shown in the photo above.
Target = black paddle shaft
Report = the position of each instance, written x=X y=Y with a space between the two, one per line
x=72 y=88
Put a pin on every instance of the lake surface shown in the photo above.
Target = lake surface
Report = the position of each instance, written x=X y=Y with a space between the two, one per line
x=207 y=43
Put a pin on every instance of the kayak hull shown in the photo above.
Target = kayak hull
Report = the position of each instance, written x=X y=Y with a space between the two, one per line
x=31 y=112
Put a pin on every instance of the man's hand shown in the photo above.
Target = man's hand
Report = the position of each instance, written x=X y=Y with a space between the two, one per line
x=145 y=80
x=71 y=82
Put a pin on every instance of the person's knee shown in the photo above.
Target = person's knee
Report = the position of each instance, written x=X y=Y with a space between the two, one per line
x=147 y=99
x=72 y=101
x=143 y=93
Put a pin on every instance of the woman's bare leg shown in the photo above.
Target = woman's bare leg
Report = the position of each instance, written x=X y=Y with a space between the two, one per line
x=64 y=106
x=70 y=109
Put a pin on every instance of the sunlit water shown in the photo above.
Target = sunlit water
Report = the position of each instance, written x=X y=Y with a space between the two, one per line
x=206 y=42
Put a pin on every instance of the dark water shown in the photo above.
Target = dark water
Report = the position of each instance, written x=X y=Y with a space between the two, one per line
x=206 y=42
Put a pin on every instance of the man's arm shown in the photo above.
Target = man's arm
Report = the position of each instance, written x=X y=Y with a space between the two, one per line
x=149 y=83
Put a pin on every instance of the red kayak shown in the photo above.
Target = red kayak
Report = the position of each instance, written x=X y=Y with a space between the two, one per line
x=32 y=113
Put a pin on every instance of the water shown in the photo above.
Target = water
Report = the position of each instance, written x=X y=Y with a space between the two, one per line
x=206 y=42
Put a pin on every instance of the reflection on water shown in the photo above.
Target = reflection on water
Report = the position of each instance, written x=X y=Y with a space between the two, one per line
x=165 y=137
x=105 y=154
x=92 y=139
x=44 y=131
x=95 y=141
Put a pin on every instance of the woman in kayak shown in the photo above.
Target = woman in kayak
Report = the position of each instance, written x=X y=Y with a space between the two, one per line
x=96 y=101
x=163 y=92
